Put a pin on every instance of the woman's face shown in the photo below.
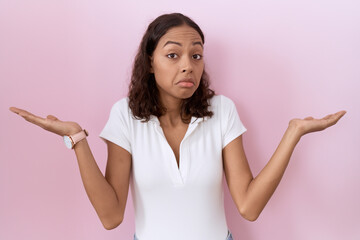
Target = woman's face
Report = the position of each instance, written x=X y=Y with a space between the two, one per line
x=177 y=63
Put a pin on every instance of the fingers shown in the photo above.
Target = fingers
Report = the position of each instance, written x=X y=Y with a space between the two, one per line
x=51 y=117
x=312 y=125
x=15 y=110
x=337 y=115
x=21 y=112
x=332 y=119
x=341 y=113
x=25 y=113
x=308 y=118
x=29 y=116
x=33 y=119
x=50 y=123
x=328 y=116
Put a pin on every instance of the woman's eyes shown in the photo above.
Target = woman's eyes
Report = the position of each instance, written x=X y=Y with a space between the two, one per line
x=197 y=56
x=174 y=55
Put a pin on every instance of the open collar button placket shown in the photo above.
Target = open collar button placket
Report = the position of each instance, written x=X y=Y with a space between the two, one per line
x=178 y=174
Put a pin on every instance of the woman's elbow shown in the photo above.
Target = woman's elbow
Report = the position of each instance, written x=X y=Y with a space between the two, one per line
x=111 y=224
x=252 y=217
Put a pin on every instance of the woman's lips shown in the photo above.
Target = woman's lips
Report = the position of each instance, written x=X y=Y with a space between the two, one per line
x=186 y=83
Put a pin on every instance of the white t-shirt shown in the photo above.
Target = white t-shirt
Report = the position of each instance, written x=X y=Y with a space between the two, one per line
x=171 y=202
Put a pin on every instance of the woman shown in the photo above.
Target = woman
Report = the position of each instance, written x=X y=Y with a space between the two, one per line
x=171 y=140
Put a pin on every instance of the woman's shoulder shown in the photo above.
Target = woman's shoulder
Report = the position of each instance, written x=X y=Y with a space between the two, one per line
x=122 y=102
x=121 y=106
x=220 y=101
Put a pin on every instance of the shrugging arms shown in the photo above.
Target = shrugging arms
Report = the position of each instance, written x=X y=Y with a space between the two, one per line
x=252 y=194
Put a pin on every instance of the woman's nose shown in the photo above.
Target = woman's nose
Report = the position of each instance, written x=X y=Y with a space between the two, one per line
x=186 y=65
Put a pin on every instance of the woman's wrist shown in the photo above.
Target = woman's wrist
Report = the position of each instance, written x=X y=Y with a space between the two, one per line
x=77 y=128
x=295 y=129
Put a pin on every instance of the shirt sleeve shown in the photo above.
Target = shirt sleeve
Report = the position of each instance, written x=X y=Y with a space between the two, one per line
x=231 y=125
x=116 y=129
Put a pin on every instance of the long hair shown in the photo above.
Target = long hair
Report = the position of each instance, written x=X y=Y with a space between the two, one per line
x=143 y=93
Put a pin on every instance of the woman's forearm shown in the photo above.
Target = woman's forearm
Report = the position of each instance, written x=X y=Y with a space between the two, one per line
x=264 y=184
x=101 y=194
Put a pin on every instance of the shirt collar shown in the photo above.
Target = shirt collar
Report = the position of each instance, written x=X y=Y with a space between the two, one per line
x=194 y=120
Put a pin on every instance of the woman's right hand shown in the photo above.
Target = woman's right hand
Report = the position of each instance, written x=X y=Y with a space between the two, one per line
x=50 y=123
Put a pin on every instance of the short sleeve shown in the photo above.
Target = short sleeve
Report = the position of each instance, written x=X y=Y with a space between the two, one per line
x=231 y=125
x=117 y=129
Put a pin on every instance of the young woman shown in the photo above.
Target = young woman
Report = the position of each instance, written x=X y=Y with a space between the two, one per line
x=172 y=140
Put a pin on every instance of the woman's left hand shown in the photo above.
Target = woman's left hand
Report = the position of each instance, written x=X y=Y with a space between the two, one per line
x=310 y=124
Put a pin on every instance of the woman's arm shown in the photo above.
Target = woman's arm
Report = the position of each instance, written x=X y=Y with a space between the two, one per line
x=108 y=195
x=252 y=194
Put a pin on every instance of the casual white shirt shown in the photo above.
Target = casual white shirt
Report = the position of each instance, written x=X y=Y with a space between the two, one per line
x=171 y=202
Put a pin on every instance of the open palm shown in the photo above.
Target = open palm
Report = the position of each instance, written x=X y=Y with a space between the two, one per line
x=310 y=124
x=50 y=123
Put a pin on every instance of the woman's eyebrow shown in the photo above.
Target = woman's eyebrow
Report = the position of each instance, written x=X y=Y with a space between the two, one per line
x=179 y=44
x=172 y=42
x=198 y=43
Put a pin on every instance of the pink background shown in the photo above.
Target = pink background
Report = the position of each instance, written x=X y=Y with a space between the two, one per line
x=277 y=60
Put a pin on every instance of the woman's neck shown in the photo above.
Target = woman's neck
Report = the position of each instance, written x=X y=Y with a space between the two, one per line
x=172 y=116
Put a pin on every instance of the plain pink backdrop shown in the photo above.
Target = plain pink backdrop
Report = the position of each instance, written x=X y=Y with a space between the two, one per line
x=277 y=60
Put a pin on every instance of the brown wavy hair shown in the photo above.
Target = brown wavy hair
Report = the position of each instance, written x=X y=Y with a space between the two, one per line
x=143 y=92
